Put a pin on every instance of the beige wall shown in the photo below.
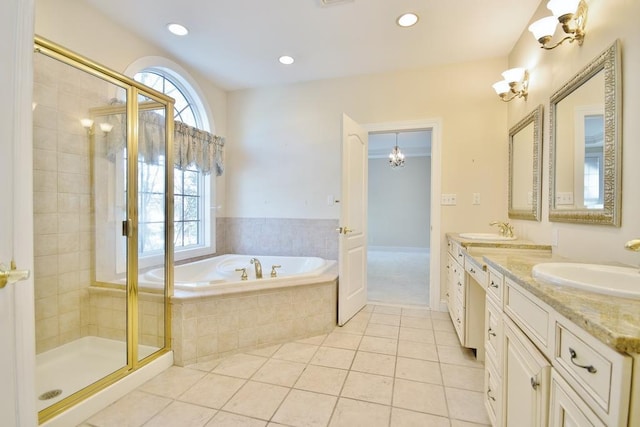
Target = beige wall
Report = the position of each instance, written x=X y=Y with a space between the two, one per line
x=608 y=20
x=284 y=155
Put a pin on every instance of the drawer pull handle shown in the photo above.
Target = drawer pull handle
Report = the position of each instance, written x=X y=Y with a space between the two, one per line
x=458 y=320
x=489 y=394
x=493 y=285
x=590 y=368
x=534 y=383
x=491 y=333
x=472 y=270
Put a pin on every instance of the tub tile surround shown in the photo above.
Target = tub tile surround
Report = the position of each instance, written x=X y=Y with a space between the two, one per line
x=208 y=327
x=290 y=384
x=277 y=236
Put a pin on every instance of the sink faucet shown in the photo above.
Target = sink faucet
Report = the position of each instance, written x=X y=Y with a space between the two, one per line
x=258 y=267
x=505 y=228
x=633 y=245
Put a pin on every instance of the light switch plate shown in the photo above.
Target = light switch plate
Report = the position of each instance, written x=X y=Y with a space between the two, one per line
x=476 y=198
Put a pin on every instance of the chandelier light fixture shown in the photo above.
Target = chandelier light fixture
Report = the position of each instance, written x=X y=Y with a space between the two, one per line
x=572 y=16
x=396 y=158
x=515 y=84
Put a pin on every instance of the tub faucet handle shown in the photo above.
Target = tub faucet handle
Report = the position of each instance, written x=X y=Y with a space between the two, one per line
x=633 y=245
x=244 y=275
x=274 y=273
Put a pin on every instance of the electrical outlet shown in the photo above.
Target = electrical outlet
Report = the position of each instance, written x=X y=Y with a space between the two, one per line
x=564 y=198
x=448 y=199
x=476 y=198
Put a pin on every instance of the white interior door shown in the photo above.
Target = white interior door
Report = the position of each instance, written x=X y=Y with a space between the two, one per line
x=17 y=336
x=352 y=286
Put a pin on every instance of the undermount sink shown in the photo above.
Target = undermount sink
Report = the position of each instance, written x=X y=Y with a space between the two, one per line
x=486 y=236
x=603 y=279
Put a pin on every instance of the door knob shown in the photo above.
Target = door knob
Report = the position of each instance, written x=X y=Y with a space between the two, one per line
x=344 y=230
x=12 y=275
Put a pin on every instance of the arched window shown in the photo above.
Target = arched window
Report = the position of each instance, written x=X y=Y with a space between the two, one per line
x=183 y=110
x=193 y=218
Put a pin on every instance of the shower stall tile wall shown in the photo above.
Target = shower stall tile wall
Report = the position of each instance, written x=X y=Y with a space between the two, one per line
x=63 y=211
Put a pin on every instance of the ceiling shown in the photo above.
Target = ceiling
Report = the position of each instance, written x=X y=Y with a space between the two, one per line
x=236 y=43
x=411 y=143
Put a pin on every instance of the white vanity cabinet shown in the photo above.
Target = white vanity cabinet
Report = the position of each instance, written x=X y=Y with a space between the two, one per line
x=552 y=372
x=466 y=298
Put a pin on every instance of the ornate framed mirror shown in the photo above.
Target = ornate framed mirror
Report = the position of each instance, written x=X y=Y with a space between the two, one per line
x=585 y=149
x=525 y=167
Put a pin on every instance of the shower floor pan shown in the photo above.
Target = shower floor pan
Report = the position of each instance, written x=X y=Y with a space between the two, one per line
x=64 y=370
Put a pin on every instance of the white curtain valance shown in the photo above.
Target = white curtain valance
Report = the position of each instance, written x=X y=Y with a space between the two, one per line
x=192 y=147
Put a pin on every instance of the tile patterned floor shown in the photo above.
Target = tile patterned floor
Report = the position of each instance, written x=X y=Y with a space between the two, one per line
x=389 y=366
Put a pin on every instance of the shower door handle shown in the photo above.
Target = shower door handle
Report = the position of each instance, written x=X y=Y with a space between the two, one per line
x=12 y=275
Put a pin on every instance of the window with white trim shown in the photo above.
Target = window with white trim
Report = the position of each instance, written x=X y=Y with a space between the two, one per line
x=193 y=218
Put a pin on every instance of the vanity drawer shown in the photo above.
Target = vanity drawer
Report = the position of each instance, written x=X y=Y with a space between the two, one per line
x=598 y=373
x=458 y=318
x=456 y=251
x=531 y=315
x=476 y=270
x=495 y=285
x=493 y=331
x=493 y=394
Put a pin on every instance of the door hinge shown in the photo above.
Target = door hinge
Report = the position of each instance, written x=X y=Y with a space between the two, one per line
x=126 y=227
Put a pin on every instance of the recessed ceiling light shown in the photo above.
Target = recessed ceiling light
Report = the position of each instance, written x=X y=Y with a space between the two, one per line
x=177 y=29
x=407 y=19
x=286 y=60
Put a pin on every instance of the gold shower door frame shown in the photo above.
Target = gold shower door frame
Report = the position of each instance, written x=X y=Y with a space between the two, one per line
x=159 y=100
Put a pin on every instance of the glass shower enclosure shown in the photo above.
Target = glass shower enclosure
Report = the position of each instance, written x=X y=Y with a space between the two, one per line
x=98 y=136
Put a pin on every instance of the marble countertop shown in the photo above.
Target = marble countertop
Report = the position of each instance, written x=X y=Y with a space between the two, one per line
x=613 y=320
x=500 y=244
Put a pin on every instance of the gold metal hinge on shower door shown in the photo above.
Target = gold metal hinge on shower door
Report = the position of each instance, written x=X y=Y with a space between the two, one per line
x=126 y=227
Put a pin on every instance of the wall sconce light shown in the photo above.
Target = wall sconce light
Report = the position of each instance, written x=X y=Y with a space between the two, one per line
x=106 y=128
x=88 y=125
x=515 y=84
x=571 y=14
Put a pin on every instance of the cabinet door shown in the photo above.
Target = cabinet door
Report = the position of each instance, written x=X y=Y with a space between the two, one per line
x=566 y=408
x=525 y=381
